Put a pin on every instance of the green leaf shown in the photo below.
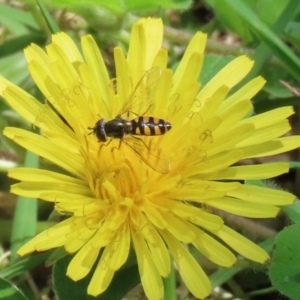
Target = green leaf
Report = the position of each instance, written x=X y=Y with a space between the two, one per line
x=25 y=217
x=294 y=164
x=293 y=211
x=284 y=271
x=16 y=20
x=124 y=280
x=222 y=275
x=57 y=254
x=292 y=33
x=24 y=264
x=273 y=74
x=10 y=292
x=19 y=43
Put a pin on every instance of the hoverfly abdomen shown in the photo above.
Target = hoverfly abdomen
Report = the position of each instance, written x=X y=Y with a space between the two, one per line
x=149 y=126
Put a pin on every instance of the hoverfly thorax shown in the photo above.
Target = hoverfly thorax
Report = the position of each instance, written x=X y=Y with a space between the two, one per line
x=117 y=128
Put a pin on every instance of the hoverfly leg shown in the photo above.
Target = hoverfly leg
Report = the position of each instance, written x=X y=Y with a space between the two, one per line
x=118 y=148
x=103 y=144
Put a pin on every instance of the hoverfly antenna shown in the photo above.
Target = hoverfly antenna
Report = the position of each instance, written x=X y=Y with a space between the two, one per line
x=92 y=130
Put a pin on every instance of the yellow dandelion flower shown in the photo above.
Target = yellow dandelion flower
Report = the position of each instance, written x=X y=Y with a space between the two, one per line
x=156 y=194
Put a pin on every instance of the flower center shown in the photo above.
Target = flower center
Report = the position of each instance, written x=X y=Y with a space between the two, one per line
x=119 y=182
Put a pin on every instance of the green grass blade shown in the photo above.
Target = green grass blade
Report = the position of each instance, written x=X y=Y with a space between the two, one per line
x=262 y=51
x=282 y=51
x=24 y=265
x=49 y=20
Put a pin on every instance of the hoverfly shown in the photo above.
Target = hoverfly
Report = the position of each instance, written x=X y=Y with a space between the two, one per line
x=129 y=131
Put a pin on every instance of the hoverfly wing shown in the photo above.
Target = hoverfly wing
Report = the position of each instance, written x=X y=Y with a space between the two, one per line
x=142 y=97
x=151 y=154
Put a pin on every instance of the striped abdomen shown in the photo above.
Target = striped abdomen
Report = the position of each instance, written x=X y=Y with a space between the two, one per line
x=149 y=126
